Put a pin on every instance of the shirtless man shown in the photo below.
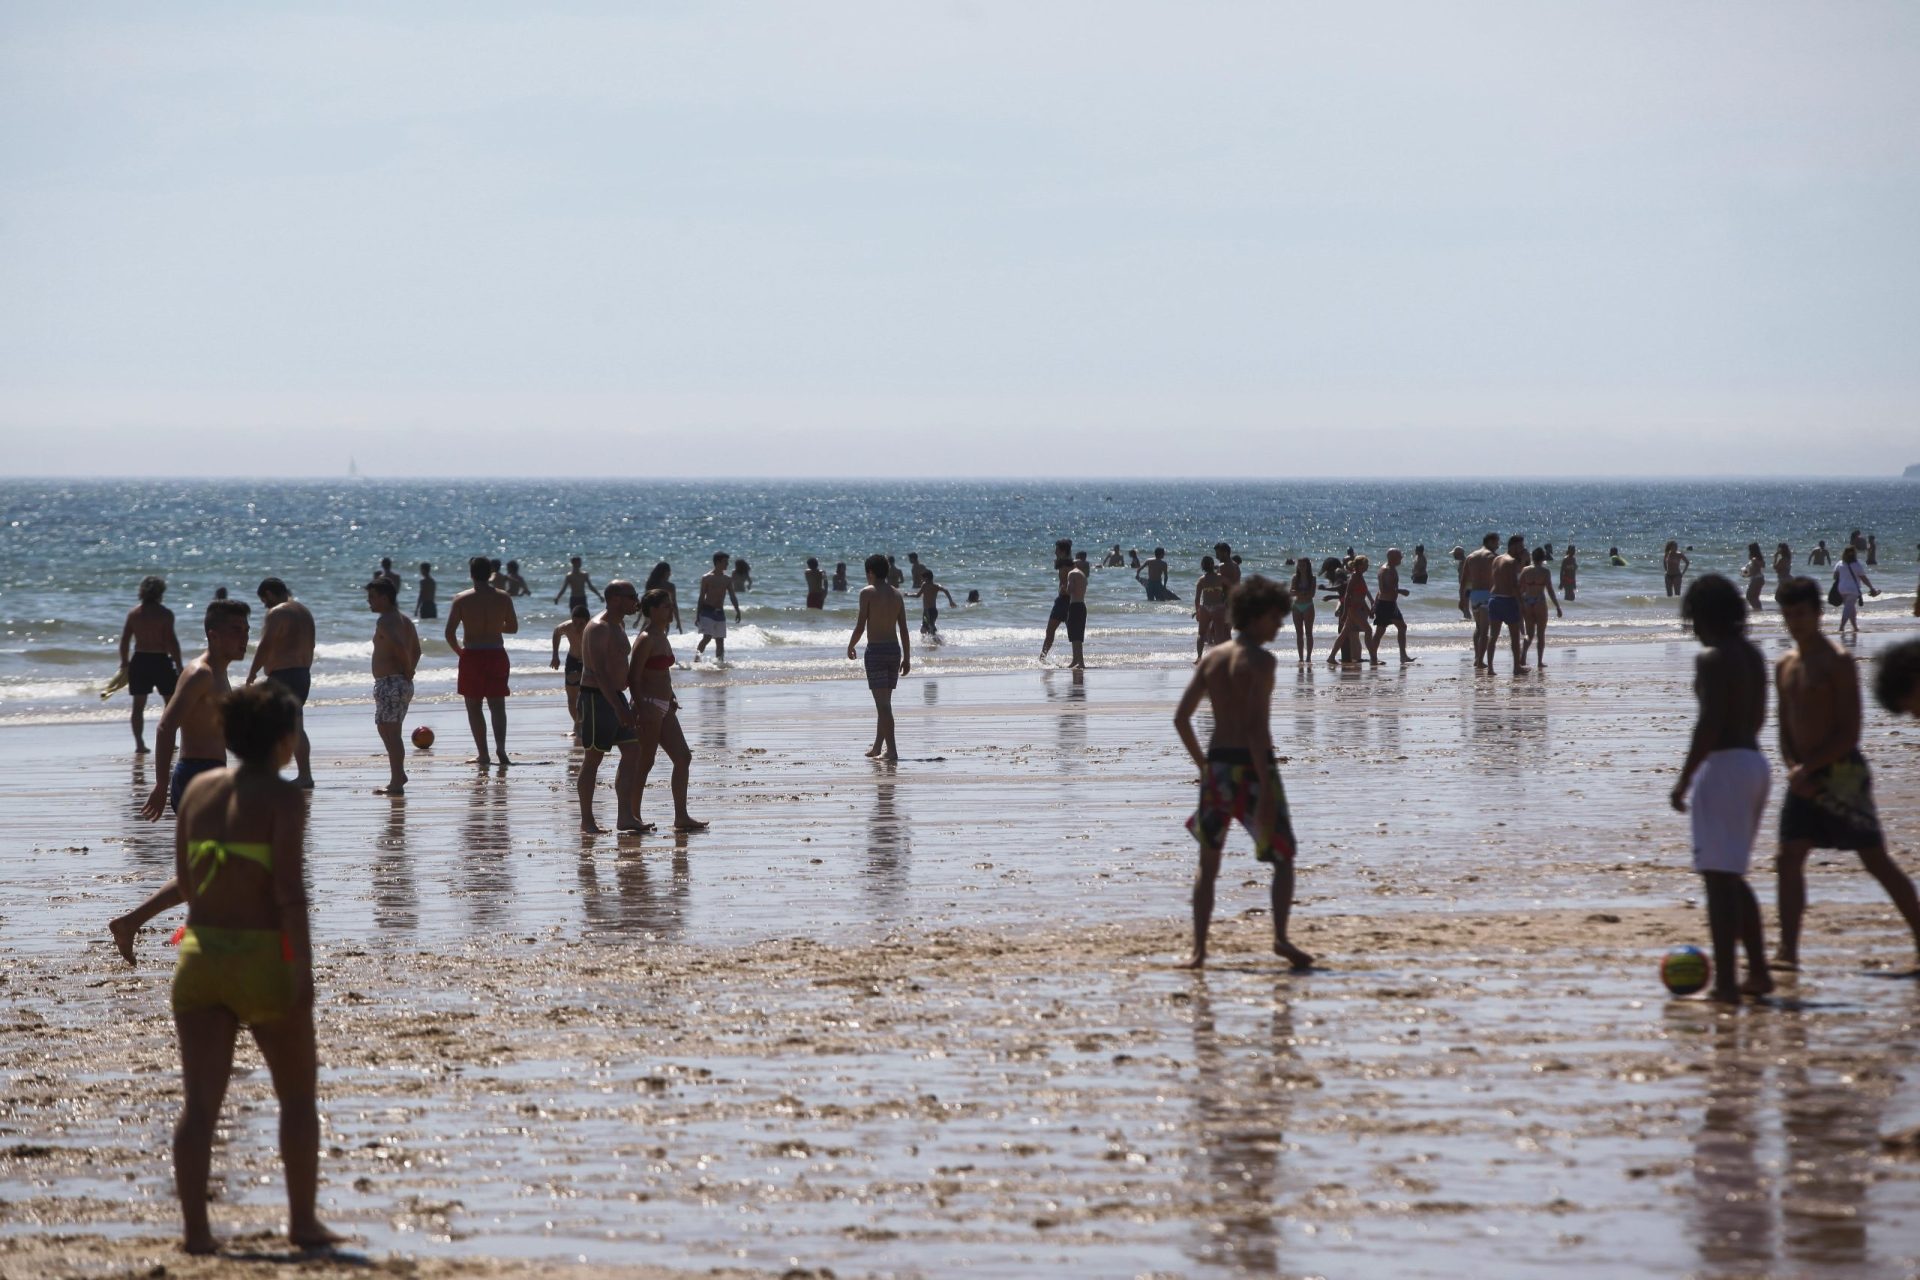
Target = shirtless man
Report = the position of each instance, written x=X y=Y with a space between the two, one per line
x=883 y=615
x=1829 y=801
x=840 y=576
x=285 y=653
x=710 y=613
x=387 y=572
x=816 y=584
x=1820 y=555
x=1229 y=565
x=487 y=617
x=1419 y=572
x=606 y=717
x=930 y=592
x=193 y=714
x=1476 y=589
x=570 y=631
x=1156 y=576
x=496 y=576
x=516 y=585
x=1569 y=574
x=1503 y=604
x=1062 y=566
x=396 y=656
x=1728 y=778
x=1077 y=609
x=1114 y=559
x=576 y=584
x=1239 y=779
x=1386 y=605
x=149 y=655
x=427 y=604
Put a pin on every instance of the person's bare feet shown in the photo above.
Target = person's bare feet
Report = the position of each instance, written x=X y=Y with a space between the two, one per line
x=689 y=824
x=1405 y=659
x=1521 y=669
x=1724 y=995
x=485 y=762
x=504 y=762
x=873 y=752
x=200 y=1246
x=1294 y=956
x=637 y=827
x=123 y=935
x=892 y=757
x=398 y=788
x=588 y=827
x=1198 y=960
x=315 y=1236
x=139 y=747
x=305 y=784
x=1757 y=984
x=1784 y=964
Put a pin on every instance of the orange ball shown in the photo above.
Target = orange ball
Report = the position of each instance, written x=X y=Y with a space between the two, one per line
x=423 y=737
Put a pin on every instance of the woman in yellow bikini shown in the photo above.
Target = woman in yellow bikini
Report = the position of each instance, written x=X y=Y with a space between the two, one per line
x=656 y=711
x=245 y=959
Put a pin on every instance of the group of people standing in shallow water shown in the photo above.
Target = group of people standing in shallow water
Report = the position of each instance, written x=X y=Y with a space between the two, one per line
x=245 y=955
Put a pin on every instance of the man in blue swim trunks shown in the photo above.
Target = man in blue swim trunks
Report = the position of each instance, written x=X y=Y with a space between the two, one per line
x=1476 y=588
x=1503 y=605
x=193 y=712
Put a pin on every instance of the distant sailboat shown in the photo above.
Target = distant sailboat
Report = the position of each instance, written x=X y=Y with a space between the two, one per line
x=353 y=468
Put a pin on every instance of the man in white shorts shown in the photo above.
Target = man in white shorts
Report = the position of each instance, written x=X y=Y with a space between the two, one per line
x=396 y=655
x=1729 y=780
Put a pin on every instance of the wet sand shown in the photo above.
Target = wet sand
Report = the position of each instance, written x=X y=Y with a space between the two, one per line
x=925 y=1020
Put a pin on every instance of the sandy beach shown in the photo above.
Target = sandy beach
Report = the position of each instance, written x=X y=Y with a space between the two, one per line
x=925 y=1019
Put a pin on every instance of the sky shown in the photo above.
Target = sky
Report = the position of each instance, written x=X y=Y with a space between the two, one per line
x=977 y=239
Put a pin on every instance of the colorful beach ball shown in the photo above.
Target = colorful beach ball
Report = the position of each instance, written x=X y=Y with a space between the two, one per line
x=1685 y=970
x=423 y=737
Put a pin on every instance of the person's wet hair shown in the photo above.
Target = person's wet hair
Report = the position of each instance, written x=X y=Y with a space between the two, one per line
x=1206 y=564
x=1491 y=541
x=1419 y=548
x=1159 y=551
x=1753 y=551
x=1517 y=540
x=221 y=612
x=658 y=578
x=258 y=719
x=425 y=567
x=1255 y=597
x=219 y=593
x=1799 y=591
x=514 y=565
x=1539 y=555
x=272 y=589
x=479 y=568
x=494 y=565
x=740 y=566
x=1329 y=566
x=721 y=557
x=653 y=599
x=1714 y=606
x=813 y=562
x=384 y=586
x=152 y=588
x=576 y=562
x=1673 y=546
x=876 y=565
x=1895 y=672
x=582 y=614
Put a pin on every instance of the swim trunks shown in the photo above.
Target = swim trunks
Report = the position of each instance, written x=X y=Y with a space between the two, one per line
x=248 y=972
x=425 y=610
x=816 y=599
x=1229 y=793
x=1503 y=609
x=297 y=681
x=1420 y=579
x=1728 y=800
x=600 y=727
x=883 y=664
x=150 y=672
x=1159 y=591
x=392 y=695
x=576 y=601
x=711 y=622
x=483 y=673
x=1076 y=622
x=929 y=614
x=1059 y=611
x=573 y=669
x=1840 y=812
x=185 y=770
x=1477 y=599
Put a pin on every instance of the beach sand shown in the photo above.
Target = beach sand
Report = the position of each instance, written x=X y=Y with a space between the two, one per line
x=926 y=1019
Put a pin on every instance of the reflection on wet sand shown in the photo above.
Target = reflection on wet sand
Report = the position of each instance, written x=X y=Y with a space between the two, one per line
x=1241 y=1105
x=889 y=847
x=1796 y=1193
x=486 y=880
x=1067 y=696
x=646 y=903
x=395 y=902
x=708 y=727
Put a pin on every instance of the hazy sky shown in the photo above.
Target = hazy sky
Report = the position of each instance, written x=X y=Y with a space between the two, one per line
x=973 y=238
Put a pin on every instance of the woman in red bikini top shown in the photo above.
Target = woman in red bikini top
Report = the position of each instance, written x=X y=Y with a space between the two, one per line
x=656 y=711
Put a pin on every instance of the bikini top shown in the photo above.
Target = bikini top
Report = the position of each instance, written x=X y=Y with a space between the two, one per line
x=216 y=852
x=660 y=662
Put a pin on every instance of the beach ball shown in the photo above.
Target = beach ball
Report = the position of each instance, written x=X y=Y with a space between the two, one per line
x=423 y=737
x=1685 y=970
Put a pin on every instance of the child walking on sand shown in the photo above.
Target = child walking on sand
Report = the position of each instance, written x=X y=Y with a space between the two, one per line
x=1728 y=778
x=1239 y=779
x=245 y=959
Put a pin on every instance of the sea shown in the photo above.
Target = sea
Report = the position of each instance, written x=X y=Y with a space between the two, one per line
x=75 y=551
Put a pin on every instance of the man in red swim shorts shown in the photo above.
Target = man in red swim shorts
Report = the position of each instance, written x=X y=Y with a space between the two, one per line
x=486 y=615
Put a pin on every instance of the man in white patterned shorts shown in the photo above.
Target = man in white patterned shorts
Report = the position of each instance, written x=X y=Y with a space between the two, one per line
x=396 y=655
